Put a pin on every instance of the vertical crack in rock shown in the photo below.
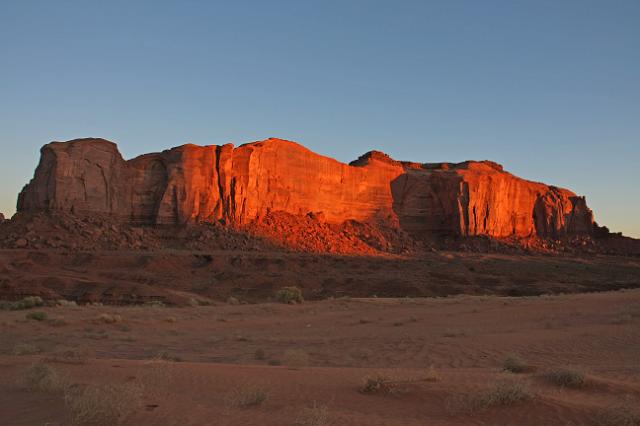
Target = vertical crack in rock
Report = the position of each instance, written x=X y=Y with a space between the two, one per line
x=239 y=185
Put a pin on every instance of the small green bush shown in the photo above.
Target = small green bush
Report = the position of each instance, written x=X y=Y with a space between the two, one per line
x=36 y=316
x=290 y=295
x=26 y=303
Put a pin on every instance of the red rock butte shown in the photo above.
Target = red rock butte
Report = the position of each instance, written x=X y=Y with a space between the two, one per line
x=237 y=185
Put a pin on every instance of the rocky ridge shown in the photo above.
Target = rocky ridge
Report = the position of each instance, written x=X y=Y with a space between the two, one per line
x=244 y=185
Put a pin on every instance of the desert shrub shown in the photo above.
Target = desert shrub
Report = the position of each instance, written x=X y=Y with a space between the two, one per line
x=314 y=415
x=200 y=302
x=453 y=333
x=103 y=405
x=514 y=364
x=41 y=377
x=289 y=295
x=155 y=304
x=260 y=354
x=296 y=358
x=566 y=377
x=621 y=414
x=171 y=319
x=378 y=383
x=57 y=322
x=506 y=392
x=70 y=356
x=166 y=356
x=25 y=349
x=432 y=375
x=233 y=300
x=27 y=303
x=246 y=396
x=66 y=303
x=500 y=393
x=274 y=362
x=96 y=335
x=36 y=316
x=123 y=327
x=108 y=318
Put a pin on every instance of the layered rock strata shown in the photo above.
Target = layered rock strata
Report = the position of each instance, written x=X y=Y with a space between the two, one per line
x=243 y=184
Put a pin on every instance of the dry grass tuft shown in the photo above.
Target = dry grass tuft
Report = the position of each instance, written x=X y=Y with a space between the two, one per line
x=57 y=322
x=291 y=295
x=26 y=303
x=166 y=356
x=41 y=377
x=296 y=358
x=314 y=415
x=25 y=349
x=381 y=384
x=451 y=333
x=625 y=413
x=103 y=405
x=500 y=393
x=432 y=375
x=36 y=316
x=108 y=318
x=71 y=356
x=514 y=364
x=566 y=377
x=246 y=396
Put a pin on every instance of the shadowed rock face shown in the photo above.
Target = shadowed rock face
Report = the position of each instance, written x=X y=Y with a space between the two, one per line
x=238 y=185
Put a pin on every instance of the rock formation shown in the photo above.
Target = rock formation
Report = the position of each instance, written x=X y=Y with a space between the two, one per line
x=1 y=218
x=240 y=185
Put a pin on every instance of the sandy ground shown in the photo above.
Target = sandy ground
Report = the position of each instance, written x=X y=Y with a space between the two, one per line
x=436 y=354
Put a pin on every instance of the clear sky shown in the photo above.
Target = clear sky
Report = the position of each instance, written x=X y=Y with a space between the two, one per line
x=549 y=88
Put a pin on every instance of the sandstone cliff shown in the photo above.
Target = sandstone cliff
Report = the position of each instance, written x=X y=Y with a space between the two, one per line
x=244 y=184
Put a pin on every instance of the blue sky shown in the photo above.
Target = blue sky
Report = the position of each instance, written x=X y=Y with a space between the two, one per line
x=550 y=89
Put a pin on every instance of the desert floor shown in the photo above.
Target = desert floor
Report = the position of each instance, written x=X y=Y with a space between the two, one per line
x=438 y=361
x=120 y=276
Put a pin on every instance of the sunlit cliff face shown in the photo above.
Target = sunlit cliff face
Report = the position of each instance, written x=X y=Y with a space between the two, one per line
x=238 y=185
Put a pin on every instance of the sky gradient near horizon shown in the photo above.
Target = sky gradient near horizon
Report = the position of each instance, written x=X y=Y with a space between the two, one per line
x=549 y=89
